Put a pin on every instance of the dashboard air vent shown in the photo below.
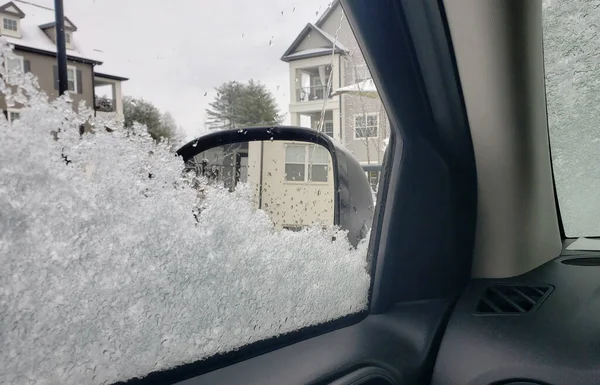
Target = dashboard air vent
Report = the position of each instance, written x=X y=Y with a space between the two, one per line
x=511 y=299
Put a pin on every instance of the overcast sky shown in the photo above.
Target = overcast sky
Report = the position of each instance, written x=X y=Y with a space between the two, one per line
x=176 y=51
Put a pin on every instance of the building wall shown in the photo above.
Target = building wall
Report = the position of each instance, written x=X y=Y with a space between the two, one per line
x=314 y=40
x=42 y=67
x=351 y=66
x=337 y=20
x=288 y=203
x=359 y=105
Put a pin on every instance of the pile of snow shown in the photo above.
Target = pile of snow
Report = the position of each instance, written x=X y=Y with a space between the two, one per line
x=107 y=274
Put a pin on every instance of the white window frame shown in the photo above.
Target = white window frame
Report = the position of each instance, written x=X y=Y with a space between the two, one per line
x=315 y=126
x=12 y=110
x=10 y=32
x=6 y=19
x=285 y=162
x=332 y=127
x=15 y=57
x=307 y=165
x=366 y=116
x=74 y=69
x=69 y=39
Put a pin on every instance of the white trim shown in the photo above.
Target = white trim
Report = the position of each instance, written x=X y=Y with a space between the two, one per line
x=14 y=110
x=14 y=57
x=69 y=42
x=11 y=9
x=69 y=67
x=366 y=119
x=307 y=164
x=10 y=32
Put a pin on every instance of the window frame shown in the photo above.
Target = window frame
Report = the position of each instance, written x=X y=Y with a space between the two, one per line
x=74 y=69
x=332 y=128
x=10 y=111
x=392 y=240
x=11 y=32
x=366 y=116
x=307 y=165
x=285 y=163
x=15 y=57
x=10 y=20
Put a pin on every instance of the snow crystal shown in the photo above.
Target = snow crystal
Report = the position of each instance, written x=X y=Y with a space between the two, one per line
x=108 y=275
x=571 y=47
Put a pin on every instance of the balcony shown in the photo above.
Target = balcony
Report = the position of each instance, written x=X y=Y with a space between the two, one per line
x=107 y=108
x=311 y=84
x=104 y=104
x=108 y=102
x=309 y=94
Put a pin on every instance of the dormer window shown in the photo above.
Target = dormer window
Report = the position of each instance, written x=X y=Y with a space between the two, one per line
x=11 y=20
x=50 y=30
x=10 y=24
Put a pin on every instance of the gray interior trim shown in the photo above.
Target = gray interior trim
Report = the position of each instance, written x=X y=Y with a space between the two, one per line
x=500 y=62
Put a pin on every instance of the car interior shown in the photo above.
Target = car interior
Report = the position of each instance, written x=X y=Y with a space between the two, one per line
x=471 y=279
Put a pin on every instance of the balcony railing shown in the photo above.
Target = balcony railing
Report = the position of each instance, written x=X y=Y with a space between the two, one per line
x=309 y=94
x=104 y=105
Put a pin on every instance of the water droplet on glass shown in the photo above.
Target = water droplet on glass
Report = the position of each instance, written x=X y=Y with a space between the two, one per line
x=270 y=43
x=206 y=93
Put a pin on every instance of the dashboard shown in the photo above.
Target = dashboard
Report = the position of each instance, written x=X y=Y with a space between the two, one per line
x=497 y=335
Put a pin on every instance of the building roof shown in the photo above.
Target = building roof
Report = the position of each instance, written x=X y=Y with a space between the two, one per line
x=34 y=39
x=10 y=8
x=68 y=25
x=291 y=53
x=334 y=4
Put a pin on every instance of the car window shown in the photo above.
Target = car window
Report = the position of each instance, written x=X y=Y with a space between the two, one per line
x=119 y=258
x=571 y=46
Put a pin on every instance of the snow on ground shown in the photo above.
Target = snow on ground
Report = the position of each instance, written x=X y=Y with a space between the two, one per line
x=106 y=274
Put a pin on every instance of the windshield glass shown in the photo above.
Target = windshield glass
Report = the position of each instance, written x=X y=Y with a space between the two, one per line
x=571 y=47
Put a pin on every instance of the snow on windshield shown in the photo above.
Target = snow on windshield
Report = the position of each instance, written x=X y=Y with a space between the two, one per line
x=106 y=273
x=571 y=47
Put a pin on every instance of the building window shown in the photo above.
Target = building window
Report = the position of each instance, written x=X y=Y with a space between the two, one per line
x=306 y=163
x=68 y=37
x=14 y=64
x=12 y=115
x=318 y=163
x=72 y=78
x=328 y=128
x=10 y=24
x=295 y=162
x=366 y=126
